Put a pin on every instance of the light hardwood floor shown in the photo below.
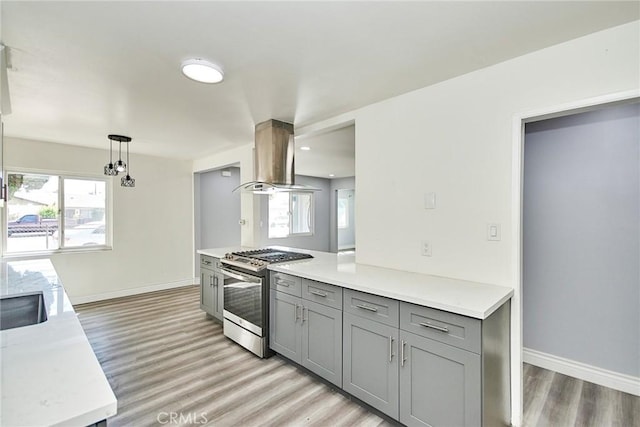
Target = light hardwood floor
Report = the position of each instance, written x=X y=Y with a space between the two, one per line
x=162 y=357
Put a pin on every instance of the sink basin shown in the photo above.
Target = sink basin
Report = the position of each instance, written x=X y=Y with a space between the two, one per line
x=22 y=310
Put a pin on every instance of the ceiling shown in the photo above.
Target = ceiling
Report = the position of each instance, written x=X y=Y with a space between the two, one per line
x=82 y=70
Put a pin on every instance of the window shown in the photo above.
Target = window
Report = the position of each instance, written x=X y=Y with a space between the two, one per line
x=51 y=212
x=290 y=214
x=343 y=212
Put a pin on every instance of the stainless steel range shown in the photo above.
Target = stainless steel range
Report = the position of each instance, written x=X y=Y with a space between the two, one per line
x=246 y=296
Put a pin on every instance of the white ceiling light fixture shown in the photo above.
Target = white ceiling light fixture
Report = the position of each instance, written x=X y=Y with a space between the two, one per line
x=305 y=148
x=202 y=71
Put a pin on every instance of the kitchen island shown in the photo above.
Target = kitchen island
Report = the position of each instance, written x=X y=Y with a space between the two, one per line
x=422 y=349
x=49 y=374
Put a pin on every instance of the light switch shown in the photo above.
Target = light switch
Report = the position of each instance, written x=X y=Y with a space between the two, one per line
x=426 y=248
x=493 y=232
x=430 y=200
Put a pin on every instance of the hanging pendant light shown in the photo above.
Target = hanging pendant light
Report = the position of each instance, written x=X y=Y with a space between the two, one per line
x=128 y=181
x=109 y=168
x=120 y=165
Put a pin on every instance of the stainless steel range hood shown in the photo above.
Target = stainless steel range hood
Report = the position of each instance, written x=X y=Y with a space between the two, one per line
x=274 y=161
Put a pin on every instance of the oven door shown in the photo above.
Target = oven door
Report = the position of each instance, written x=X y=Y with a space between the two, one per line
x=243 y=300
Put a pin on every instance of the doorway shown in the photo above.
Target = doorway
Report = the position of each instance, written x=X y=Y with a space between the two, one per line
x=346 y=220
x=580 y=248
x=216 y=209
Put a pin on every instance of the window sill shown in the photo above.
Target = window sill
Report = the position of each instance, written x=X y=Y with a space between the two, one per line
x=46 y=254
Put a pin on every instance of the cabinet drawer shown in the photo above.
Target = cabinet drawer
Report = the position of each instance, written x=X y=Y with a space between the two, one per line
x=380 y=309
x=322 y=293
x=449 y=328
x=208 y=261
x=286 y=283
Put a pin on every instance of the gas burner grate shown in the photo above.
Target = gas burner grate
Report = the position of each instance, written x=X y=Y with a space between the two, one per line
x=272 y=256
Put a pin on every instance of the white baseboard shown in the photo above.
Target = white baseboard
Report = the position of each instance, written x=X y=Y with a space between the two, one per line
x=603 y=377
x=128 y=292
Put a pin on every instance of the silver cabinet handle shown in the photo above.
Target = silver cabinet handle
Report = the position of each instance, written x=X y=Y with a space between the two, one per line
x=366 y=307
x=295 y=314
x=211 y=279
x=320 y=294
x=280 y=282
x=390 y=349
x=303 y=309
x=436 y=327
x=215 y=281
x=206 y=262
x=201 y=288
x=402 y=358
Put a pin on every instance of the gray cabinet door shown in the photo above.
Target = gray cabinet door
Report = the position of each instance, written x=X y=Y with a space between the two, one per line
x=371 y=363
x=207 y=302
x=285 y=330
x=440 y=385
x=322 y=341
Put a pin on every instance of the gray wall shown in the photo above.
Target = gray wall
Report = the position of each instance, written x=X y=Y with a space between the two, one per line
x=581 y=296
x=320 y=239
x=338 y=184
x=217 y=209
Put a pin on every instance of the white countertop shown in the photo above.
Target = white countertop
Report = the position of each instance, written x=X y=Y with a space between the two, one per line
x=49 y=373
x=467 y=298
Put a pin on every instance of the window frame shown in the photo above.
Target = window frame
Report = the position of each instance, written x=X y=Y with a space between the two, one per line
x=312 y=214
x=108 y=214
x=346 y=213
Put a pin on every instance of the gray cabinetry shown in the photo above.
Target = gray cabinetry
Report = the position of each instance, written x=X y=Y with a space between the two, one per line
x=285 y=328
x=371 y=363
x=322 y=341
x=439 y=384
x=419 y=365
x=211 y=286
x=304 y=331
x=454 y=370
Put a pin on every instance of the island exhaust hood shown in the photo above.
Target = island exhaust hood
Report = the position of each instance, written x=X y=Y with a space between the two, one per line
x=274 y=160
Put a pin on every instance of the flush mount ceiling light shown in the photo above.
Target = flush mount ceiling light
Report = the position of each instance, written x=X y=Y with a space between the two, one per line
x=202 y=71
x=305 y=148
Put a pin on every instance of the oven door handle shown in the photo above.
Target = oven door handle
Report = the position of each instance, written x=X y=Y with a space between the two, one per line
x=240 y=276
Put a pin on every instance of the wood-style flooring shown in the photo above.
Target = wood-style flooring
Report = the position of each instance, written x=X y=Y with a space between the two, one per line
x=164 y=358
x=553 y=399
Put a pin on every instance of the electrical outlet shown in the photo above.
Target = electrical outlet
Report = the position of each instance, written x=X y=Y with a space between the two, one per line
x=426 y=248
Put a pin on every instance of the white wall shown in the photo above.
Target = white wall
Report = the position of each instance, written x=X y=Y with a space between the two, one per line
x=152 y=223
x=455 y=139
